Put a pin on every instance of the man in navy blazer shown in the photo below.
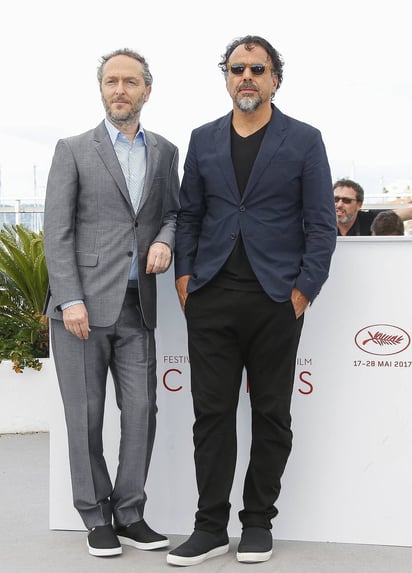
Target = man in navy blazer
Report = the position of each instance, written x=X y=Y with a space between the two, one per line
x=254 y=239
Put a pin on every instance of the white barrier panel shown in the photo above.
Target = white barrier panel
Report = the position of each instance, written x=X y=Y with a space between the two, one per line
x=349 y=476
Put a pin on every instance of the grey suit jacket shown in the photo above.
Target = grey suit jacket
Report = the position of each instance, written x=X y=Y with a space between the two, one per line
x=90 y=225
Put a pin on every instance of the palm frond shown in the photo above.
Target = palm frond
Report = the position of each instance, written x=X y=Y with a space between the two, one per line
x=23 y=286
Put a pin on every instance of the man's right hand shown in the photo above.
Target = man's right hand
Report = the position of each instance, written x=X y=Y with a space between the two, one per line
x=181 y=287
x=76 y=320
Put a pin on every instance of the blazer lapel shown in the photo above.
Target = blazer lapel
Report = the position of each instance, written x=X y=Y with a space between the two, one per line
x=223 y=153
x=108 y=155
x=273 y=138
x=152 y=161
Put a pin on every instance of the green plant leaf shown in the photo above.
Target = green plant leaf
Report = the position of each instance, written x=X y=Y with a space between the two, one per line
x=23 y=286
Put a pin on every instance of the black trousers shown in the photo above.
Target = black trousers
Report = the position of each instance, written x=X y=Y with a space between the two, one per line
x=228 y=331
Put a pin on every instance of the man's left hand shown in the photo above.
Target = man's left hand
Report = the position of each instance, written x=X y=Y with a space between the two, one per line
x=158 y=258
x=299 y=301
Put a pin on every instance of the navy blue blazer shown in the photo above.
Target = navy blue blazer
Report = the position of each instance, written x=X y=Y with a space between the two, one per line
x=286 y=216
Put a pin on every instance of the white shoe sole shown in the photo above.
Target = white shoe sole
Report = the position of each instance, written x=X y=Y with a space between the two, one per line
x=104 y=552
x=257 y=557
x=143 y=546
x=185 y=561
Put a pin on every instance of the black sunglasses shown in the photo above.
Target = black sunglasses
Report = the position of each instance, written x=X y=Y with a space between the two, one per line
x=256 y=69
x=345 y=200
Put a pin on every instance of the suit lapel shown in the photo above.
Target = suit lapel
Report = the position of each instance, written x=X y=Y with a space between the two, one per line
x=272 y=140
x=152 y=161
x=108 y=155
x=274 y=136
x=223 y=153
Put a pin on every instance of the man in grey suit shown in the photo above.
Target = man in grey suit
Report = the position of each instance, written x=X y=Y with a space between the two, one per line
x=110 y=215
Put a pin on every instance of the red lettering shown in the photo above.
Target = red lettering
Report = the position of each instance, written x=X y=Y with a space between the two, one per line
x=309 y=390
x=166 y=385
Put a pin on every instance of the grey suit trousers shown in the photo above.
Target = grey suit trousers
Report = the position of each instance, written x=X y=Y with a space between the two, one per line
x=127 y=348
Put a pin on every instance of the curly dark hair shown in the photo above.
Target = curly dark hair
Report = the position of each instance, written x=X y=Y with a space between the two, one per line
x=250 y=42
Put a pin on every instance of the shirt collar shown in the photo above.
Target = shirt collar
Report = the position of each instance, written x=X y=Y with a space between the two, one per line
x=114 y=132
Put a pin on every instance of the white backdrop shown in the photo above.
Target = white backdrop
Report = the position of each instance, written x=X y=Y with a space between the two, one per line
x=349 y=476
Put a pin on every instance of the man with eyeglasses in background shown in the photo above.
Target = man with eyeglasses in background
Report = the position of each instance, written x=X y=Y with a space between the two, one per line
x=352 y=220
x=254 y=239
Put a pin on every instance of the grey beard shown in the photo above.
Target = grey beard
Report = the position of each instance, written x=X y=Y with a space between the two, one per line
x=129 y=119
x=248 y=104
x=345 y=219
x=119 y=118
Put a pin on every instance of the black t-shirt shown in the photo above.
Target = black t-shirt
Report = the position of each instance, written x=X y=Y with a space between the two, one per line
x=236 y=273
x=362 y=224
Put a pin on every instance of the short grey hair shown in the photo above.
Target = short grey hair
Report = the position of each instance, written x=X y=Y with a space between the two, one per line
x=148 y=78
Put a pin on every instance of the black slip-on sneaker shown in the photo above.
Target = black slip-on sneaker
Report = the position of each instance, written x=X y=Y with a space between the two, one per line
x=255 y=545
x=200 y=546
x=102 y=541
x=140 y=536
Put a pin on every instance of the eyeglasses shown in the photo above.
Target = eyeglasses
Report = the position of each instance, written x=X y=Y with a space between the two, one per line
x=345 y=200
x=256 y=69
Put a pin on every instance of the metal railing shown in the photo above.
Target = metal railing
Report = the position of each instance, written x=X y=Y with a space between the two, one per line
x=18 y=213
x=32 y=215
x=387 y=200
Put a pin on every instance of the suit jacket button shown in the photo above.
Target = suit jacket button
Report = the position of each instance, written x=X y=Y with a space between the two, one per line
x=233 y=236
x=242 y=208
x=130 y=254
x=136 y=224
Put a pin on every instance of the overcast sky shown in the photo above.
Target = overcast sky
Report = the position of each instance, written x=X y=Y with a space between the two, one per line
x=347 y=71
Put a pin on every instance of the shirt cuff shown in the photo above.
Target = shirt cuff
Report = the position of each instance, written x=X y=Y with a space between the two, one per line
x=70 y=303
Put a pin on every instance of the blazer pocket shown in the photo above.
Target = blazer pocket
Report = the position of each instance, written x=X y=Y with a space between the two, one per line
x=87 y=259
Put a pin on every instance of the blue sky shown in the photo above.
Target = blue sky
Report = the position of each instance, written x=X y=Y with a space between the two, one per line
x=347 y=71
